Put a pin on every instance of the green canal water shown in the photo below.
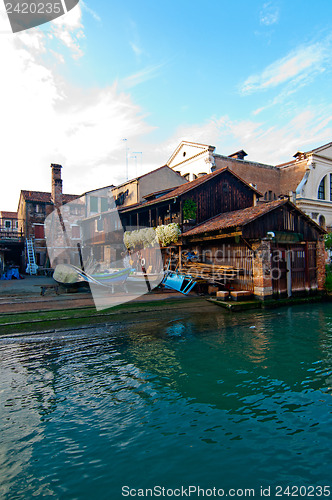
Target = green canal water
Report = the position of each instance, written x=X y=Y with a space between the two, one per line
x=203 y=398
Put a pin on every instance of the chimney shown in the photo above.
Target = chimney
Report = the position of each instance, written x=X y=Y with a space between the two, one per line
x=56 y=185
x=239 y=155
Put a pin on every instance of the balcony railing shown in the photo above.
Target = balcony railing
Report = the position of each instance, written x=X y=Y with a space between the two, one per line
x=11 y=234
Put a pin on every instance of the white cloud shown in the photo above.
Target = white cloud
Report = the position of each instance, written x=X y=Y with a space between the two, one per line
x=271 y=145
x=94 y=14
x=69 y=30
x=141 y=76
x=45 y=120
x=136 y=49
x=298 y=65
x=269 y=14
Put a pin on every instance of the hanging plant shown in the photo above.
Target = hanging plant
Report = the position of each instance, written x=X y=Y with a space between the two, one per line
x=168 y=234
x=189 y=210
x=148 y=237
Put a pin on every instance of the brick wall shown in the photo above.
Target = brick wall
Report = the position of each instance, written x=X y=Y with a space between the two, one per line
x=321 y=255
x=262 y=269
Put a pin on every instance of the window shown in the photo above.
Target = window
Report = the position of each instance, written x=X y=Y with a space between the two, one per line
x=99 y=224
x=75 y=232
x=321 y=221
x=8 y=224
x=93 y=204
x=321 y=189
x=330 y=187
x=39 y=231
x=74 y=209
x=103 y=205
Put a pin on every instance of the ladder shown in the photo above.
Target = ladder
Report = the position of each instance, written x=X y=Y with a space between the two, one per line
x=32 y=266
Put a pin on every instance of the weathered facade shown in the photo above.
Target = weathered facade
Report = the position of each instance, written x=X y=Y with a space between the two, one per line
x=306 y=180
x=219 y=192
x=34 y=207
x=136 y=190
x=273 y=249
x=11 y=240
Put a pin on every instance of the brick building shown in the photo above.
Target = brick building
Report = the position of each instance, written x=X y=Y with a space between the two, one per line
x=11 y=240
x=34 y=207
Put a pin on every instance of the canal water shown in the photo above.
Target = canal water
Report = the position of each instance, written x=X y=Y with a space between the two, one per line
x=191 y=398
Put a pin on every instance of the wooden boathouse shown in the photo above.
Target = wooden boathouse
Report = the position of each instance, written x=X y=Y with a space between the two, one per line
x=229 y=238
x=271 y=249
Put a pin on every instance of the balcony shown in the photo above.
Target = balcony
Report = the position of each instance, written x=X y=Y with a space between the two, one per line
x=9 y=231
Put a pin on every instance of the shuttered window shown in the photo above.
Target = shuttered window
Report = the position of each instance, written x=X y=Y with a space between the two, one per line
x=39 y=231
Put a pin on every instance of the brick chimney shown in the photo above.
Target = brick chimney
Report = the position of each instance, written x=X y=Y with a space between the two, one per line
x=56 y=185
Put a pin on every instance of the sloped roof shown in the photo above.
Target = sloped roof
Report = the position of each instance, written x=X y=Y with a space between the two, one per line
x=243 y=217
x=42 y=196
x=180 y=190
x=8 y=215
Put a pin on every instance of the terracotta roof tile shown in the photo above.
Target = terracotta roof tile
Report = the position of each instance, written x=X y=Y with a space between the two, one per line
x=245 y=216
x=41 y=196
x=236 y=218
x=9 y=215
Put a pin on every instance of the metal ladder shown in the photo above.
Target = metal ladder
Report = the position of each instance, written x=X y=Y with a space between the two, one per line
x=32 y=266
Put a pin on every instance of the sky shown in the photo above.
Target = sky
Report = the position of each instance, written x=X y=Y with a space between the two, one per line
x=110 y=80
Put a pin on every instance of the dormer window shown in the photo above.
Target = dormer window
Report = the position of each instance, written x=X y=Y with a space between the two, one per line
x=184 y=154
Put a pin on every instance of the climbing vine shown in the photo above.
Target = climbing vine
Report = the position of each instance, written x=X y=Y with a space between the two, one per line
x=189 y=209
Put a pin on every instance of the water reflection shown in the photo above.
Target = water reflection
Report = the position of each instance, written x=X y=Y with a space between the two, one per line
x=93 y=403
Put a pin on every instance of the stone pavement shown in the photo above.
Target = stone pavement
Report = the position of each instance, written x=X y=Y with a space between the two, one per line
x=24 y=295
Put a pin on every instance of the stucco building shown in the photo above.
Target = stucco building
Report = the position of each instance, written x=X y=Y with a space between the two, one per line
x=306 y=180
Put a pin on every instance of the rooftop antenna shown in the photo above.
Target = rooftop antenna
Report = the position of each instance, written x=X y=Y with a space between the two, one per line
x=138 y=153
x=135 y=158
x=127 y=149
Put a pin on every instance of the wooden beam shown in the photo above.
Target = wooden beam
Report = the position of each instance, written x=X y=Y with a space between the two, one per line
x=214 y=237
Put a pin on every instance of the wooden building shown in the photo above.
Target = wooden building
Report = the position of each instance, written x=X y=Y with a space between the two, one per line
x=271 y=249
x=212 y=194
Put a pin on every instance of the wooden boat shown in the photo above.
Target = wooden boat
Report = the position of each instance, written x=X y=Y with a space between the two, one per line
x=140 y=277
x=70 y=275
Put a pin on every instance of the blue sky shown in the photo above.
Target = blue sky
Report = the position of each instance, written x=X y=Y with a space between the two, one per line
x=248 y=74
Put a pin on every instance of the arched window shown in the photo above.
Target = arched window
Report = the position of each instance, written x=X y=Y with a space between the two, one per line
x=321 y=221
x=321 y=189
